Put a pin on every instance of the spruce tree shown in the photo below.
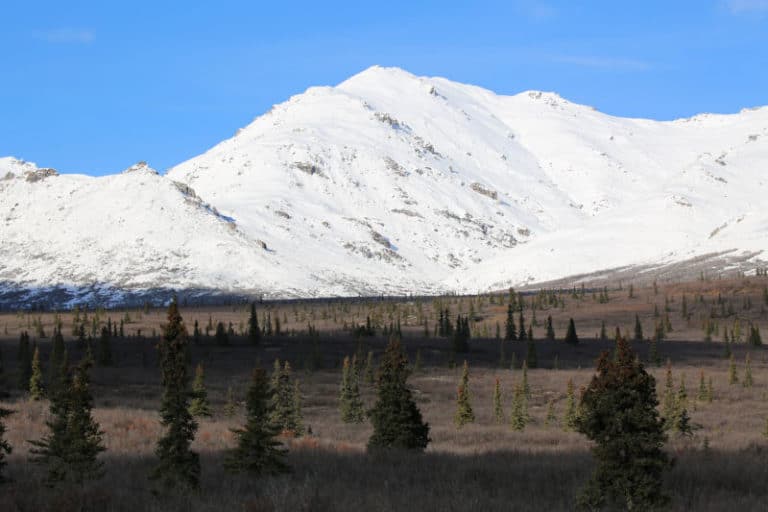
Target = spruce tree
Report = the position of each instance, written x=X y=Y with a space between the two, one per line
x=199 y=406
x=257 y=451
x=638 y=329
x=525 y=385
x=25 y=361
x=70 y=452
x=464 y=413
x=55 y=359
x=396 y=419
x=618 y=413
x=653 y=352
x=510 y=332
x=733 y=378
x=702 y=387
x=531 y=360
x=230 y=406
x=284 y=413
x=550 y=329
x=105 y=348
x=669 y=404
x=36 y=391
x=221 y=336
x=350 y=403
x=570 y=335
x=519 y=416
x=254 y=332
x=498 y=403
x=571 y=414
x=682 y=419
x=747 y=372
x=178 y=465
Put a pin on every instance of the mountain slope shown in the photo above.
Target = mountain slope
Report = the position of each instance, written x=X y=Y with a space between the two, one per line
x=131 y=231
x=475 y=190
x=392 y=183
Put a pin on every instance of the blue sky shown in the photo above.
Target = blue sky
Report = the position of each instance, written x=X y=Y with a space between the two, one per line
x=96 y=86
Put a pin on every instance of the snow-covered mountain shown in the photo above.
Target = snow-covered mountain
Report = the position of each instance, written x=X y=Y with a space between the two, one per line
x=392 y=183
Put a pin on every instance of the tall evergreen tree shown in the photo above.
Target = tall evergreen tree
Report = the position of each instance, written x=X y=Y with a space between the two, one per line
x=747 y=383
x=56 y=358
x=350 y=403
x=669 y=401
x=254 y=332
x=603 y=333
x=221 y=336
x=396 y=419
x=702 y=396
x=230 y=406
x=550 y=329
x=70 y=452
x=36 y=390
x=510 y=331
x=25 y=361
x=105 y=348
x=284 y=413
x=522 y=335
x=178 y=465
x=498 y=403
x=638 y=329
x=618 y=413
x=199 y=406
x=570 y=335
x=531 y=359
x=258 y=452
x=571 y=414
x=519 y=416
x=460 y=336
x=464 y=413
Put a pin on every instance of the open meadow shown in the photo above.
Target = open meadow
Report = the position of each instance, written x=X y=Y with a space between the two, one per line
x=484 y=465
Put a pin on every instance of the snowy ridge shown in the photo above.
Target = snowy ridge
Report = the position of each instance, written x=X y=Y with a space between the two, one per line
x=392 y=183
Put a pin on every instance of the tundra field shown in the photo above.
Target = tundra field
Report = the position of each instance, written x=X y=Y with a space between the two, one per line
x=481 y=466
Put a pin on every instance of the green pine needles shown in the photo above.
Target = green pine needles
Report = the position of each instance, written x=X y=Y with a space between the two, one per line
x=199 y=406
x=69 y=452
x=618 y=413
x=258 y=452
x=464 y=413
x=350 y=403
x=396 y=419
x=286 y=408
x=36 y=390
x=178 y=466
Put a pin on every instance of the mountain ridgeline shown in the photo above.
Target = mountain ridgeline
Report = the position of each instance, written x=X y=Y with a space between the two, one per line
x=389 y=183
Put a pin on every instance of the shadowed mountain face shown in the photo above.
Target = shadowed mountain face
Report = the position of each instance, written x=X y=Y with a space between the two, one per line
x=391 y=183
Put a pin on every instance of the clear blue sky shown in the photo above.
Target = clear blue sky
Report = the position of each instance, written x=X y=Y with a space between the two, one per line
x=96 y=86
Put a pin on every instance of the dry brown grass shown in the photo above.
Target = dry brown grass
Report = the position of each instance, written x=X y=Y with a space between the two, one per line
x=480 y=467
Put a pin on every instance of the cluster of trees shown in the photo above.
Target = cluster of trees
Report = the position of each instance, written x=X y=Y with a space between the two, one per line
x=70 y=450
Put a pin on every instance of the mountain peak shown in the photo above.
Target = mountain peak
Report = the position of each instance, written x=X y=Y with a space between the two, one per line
x=140 y=167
